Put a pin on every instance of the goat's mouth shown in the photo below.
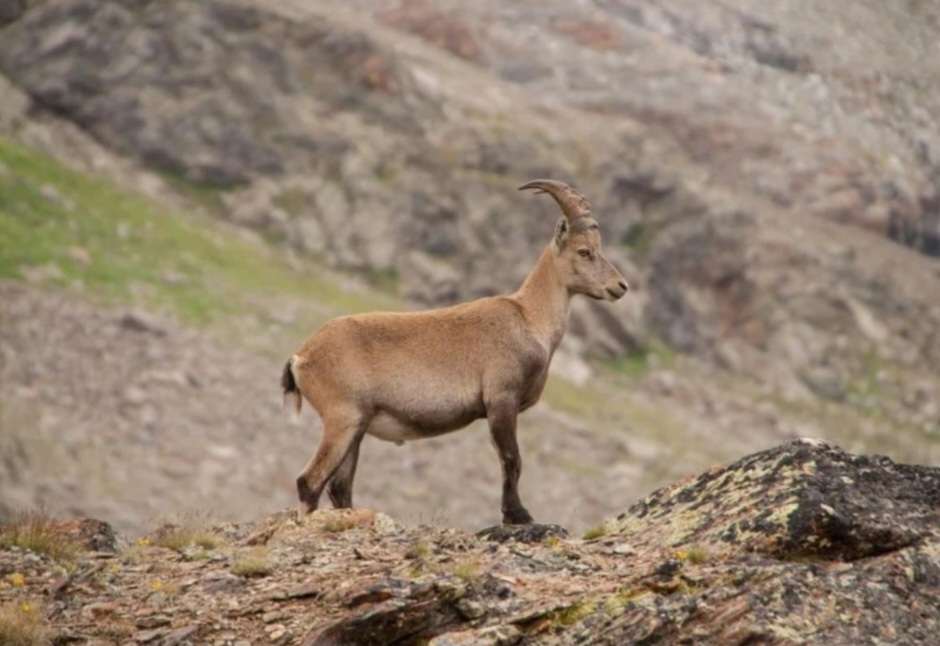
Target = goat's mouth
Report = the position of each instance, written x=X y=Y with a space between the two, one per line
x=615 y=294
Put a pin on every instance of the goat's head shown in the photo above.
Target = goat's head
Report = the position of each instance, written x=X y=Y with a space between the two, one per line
x=577 y=245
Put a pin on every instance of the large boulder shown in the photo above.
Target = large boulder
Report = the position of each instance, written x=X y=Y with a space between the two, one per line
x=800 y=544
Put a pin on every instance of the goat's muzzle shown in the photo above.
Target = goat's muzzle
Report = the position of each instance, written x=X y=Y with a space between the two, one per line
x=618 y=292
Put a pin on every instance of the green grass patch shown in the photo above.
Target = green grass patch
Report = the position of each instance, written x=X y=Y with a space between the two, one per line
x=633 y=365
x=86 y=233
x=653 y=356
x=205 y=194
x=606 y=405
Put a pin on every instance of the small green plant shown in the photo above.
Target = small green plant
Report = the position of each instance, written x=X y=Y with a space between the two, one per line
x=697 y=554
x=133 y=555
x=420 y=550
x=469 y=571
x=23 y=622
x=551 y=541
x=597 y=531
x=253 y=562
x=626 y=597
x=38 y=532
x=573 y=613
x=691 y=588
x=419 y=554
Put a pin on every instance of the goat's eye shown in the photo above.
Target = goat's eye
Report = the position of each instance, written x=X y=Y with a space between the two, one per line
x=584 y=253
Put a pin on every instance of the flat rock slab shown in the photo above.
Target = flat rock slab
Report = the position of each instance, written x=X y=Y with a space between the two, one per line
x=531 y=533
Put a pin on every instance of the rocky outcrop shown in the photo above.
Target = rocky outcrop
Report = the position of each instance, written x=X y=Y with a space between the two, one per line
x=800 y=544
x=817 y=503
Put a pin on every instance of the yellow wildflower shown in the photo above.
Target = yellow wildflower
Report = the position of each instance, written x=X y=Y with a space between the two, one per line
x=25 y=607
x=17 y=579
x=143 y=541
x=682 y=555
x=156 y=586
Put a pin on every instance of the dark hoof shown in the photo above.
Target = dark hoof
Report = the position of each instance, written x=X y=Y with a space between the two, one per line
x=308 y=502
x=517 y=517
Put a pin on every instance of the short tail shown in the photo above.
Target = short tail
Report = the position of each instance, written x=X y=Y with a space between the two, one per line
x=290 y=386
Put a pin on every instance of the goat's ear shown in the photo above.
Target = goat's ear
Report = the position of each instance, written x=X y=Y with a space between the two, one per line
x=561 y=232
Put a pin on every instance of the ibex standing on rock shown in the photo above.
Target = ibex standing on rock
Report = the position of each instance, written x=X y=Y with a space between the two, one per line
x=411 y=375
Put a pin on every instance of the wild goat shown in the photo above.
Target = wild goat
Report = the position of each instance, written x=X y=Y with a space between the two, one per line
x=411 y=375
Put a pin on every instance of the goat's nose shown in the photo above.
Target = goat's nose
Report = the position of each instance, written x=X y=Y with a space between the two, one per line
x=623 y=285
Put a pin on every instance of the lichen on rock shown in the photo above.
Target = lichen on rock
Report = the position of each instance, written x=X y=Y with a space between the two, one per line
x=800 y=544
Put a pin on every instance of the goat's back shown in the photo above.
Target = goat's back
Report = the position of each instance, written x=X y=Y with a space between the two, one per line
x=407 y=362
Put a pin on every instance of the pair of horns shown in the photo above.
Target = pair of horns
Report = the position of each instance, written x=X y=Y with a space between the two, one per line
x=572 y=203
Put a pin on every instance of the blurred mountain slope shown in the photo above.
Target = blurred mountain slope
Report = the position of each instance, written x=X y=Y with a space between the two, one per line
x=766 y=174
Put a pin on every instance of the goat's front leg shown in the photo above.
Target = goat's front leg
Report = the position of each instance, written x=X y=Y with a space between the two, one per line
x=501 y=415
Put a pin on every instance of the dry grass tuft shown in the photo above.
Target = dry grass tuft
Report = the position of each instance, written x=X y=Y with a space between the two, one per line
x=698 y=554
x=191 y=529
x=22 y=623
x=597 y=531
x=420 y=550
x=38 y=532
x=340 y=524
x=252 y=562
x=573 y=613
x=469 y=571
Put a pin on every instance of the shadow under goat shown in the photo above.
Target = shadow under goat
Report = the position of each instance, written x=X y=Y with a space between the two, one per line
x=402 y=376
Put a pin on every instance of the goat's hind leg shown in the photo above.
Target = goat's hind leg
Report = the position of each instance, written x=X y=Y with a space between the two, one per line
x=341 y=484
x=340 y=434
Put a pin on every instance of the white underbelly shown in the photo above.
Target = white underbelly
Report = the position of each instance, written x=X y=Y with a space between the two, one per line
x=385 y=427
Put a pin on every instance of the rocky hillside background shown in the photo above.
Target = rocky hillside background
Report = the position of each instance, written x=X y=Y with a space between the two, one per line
x=767 y=175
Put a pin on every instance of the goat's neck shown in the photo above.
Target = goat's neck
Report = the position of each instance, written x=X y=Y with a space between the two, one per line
x=545 y=301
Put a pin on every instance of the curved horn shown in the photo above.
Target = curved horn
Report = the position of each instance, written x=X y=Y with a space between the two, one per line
x=572 y=203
